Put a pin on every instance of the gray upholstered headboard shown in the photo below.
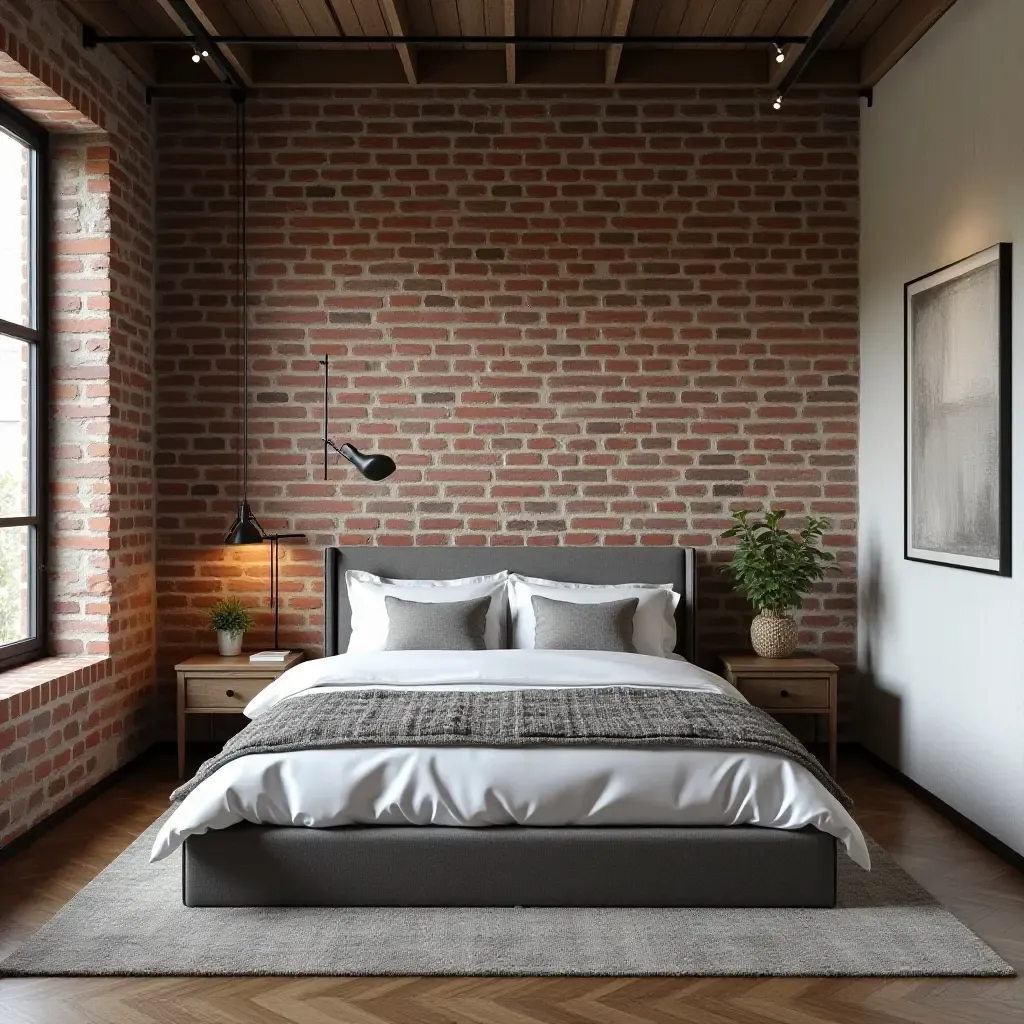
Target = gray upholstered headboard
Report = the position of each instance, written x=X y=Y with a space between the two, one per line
x=568 y=565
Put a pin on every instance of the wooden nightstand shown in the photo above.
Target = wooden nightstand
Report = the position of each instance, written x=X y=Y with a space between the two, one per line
x=211 y=685
x=804 y=685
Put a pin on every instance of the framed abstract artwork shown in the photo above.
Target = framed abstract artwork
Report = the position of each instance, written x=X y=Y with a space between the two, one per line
x=957 y=407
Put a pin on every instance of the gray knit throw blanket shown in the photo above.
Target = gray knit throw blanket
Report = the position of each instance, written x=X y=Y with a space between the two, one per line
x=617 y=716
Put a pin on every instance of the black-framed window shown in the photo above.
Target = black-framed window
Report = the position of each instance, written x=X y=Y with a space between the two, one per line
x=24 y=608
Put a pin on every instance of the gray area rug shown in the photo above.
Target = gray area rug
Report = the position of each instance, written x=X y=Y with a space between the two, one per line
x=130 y=921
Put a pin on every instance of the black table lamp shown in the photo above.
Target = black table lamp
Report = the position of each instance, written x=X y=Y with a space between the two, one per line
x=275 y=574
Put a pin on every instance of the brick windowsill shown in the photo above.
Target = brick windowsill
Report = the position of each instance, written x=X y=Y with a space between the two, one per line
x=33 y=686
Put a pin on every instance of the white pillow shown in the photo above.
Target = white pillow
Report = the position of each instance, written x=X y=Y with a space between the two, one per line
x=654 y=624
x=366 y=594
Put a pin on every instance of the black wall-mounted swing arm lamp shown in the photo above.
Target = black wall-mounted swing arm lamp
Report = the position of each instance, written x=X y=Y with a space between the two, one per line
x=373 y=467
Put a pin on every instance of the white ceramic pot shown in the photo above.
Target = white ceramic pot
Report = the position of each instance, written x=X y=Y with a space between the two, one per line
x=773 y=635
x=229 y=645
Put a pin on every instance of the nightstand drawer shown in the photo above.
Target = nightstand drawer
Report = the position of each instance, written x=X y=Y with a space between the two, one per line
x=202 y=692
x=777 y=694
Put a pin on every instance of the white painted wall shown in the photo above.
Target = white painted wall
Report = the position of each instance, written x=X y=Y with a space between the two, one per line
x=942 y=177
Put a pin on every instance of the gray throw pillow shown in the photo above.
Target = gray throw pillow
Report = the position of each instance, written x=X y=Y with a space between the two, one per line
x=567 y=626
x=440 y=626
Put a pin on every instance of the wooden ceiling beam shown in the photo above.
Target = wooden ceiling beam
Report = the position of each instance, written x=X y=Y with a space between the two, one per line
x=641 y=66
x=397 y=26
x=509 y=28
x=804 y=20
x=907 y=23
x=620 y=27
x=240 y=57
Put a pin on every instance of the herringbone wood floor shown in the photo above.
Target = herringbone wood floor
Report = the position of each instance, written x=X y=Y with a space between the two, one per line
x=981 y=889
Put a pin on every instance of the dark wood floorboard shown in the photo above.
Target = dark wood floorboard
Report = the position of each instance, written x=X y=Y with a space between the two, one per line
x=982 y=890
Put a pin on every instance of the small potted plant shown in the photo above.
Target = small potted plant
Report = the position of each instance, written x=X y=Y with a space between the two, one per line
x=774 y=569
x=229 y=619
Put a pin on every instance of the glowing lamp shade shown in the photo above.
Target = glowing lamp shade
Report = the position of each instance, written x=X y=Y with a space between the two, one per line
x=246 y=529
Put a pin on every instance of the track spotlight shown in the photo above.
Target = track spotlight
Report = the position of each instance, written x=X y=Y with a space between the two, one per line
x=198 y=55
x=777 y=104
x=780 y=54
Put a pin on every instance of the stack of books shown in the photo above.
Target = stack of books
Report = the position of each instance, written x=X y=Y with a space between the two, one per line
x=269 y=656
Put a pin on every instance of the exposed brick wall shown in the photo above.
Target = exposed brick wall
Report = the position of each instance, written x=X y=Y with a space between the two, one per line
x=101 y=558
x=583 y=318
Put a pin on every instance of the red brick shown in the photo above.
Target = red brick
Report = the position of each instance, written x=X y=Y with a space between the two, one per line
x=101 y=386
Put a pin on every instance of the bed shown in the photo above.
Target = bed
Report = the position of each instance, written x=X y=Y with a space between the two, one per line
x=406 y=861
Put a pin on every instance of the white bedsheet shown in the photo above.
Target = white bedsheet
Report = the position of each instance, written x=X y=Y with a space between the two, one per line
x=476 y=786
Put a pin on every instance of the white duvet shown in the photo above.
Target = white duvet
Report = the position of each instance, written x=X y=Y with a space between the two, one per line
x=479 y=786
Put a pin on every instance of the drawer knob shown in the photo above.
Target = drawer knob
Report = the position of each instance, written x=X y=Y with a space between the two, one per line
x=230 y=693
x=784 y=693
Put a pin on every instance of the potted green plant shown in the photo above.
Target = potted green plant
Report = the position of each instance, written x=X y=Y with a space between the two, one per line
x=229 y=619
x=774 y=569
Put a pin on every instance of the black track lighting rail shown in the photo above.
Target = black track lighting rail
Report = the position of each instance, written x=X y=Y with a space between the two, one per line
x=204 y=41
x=812 y=46
x=92 y=38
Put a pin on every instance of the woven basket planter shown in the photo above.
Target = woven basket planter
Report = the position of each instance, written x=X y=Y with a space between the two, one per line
x=773 y=636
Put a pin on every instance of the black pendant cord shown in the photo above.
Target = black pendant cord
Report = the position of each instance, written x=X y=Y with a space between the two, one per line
x=239 y=257
x=275 y=576
x=243 y=222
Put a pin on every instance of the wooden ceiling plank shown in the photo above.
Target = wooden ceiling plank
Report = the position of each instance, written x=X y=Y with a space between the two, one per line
x=294 y=17
x=494 y=17
x=241 y=13
x=566 y=18
x=670 y=17
x=111 y=19
x=218 y=13
x=446 y=17
x=695 y=18
x=149 y=18
x=723 y=17
x=869 y=24
x=773 y=15
x=645 y=14
x=471 y=17
x=747 y=17
x=802 y=20
x=421 y=18
x=348 y=17
x=909 y=21
x=509 y=29
x=269 y=16
x=542 y=17
x=620 y=27
x=592 y=18
x=395 y=16
x=319 y=15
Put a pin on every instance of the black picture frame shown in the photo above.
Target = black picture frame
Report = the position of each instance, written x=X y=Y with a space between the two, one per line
x=1000 y=254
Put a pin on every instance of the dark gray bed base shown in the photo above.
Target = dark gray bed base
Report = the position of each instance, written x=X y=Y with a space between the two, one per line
x=268 y=865
x=740 y=866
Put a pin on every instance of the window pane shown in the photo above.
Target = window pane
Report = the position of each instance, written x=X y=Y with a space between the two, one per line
x=15 y=600
x=15 y=436
x=16 y=234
